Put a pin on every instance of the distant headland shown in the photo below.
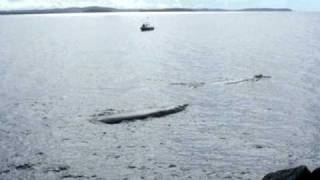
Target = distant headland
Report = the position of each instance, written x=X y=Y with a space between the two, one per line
x=96 y=9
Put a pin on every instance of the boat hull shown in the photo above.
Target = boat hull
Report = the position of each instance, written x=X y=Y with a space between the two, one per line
x=147 y=29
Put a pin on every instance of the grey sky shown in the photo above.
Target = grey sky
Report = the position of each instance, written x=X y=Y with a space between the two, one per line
x=294 y=4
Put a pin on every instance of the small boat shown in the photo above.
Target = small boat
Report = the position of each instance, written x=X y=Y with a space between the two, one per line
x=146 y=27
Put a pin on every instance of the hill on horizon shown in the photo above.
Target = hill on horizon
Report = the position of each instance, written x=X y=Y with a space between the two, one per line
x=96 y=9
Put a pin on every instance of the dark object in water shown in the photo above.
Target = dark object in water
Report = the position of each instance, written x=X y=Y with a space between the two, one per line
x=146 y=27
x=193 y=85
x=58 y=168
x=315 y=174
x=143 y=115
x=72 y=176
x=4 y=171
x=298 y=173
x=257 y=77
x=260 y=76
x=24 y=166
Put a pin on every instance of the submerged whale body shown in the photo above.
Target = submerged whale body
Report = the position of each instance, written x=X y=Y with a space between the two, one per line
x=260 y=76
x=152 y=113
x=256 y=77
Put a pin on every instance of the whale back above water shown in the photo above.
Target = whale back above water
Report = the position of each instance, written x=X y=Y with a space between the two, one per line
x=152 y=113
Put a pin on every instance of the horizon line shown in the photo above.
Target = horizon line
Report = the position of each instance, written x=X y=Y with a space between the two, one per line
x=97 y=9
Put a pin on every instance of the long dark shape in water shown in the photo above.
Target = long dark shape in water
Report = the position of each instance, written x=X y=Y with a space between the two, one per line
x=152 y=113
x=257 y=77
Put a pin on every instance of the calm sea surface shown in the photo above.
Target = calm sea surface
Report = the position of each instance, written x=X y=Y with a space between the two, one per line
x=59 y=71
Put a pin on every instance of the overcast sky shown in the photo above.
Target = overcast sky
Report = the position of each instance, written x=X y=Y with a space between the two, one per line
x=30 y=4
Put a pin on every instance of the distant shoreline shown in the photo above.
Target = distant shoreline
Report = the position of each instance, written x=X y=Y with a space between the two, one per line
x=97 y=9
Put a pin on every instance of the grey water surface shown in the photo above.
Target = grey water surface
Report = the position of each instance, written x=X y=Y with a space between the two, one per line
x=59 y=72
